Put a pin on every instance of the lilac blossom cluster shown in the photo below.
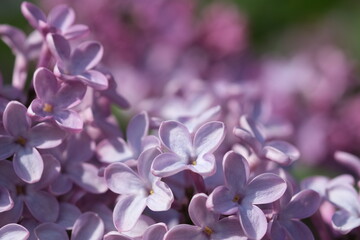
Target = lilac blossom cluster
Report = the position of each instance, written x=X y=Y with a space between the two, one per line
x=198 y=159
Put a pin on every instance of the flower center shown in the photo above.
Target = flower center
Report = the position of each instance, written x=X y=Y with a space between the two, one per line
x=237 y=198
x=151 y=192
x=21 y=140
x=48 y=108
x=208 y=231
x=193 y=162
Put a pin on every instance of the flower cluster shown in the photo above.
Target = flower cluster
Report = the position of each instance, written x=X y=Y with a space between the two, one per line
x=198 y=159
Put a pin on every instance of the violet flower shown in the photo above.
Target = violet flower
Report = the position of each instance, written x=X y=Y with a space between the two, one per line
x=286 y=223
x=54 y=100
x=77 y=65
x=241 y=195
x=117 y=150
x=138 y=190
x=207 y=224
x=60 y=20
x=254 y=136
x=194 y=153
x=23 y=141
x=154 y=232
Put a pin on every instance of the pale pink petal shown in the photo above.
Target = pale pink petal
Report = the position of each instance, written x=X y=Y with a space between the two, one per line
x=13 y=231
x=15 y=120
x=45 y=135
x=161 y=197
x=51 y=231
x=253 y=221
x=88 y=226
x=167 y=164
x=113 y=150
x=208 y=138
x=28 y=165
x=137 y=128
x=127 y=211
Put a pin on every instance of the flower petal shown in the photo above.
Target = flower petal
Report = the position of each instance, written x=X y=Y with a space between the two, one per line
x=86 y=176
x=70 y=120
x=281 y=152
x=14 y=231
x=43 y=206
x=70 y=94
x=76 y=31
x=176 y=137
x=185 y=232
x=113 y=150
x=123 y=180
x=265 y=188
x=253 y=221
x=6 y=202
x=86 y=56
x=45 y=84
x=161 y=198
x=344 y=221
x=61 y=17
x=127 y=211
x=28 y=165
x=155 y=232
x=45 y=135
x=200 y=215
x=344 y=197
x=59 y=47
x=297 y=230
x=221 y=201
x=67 y=215
x=33 y=14
x=228 y=228
x=236 y=171
x=137 y=128
x=7 y=147
x=167 y=164
x=15 y=120
x=208 y=138
x=94 y=79
x=88 y=226
x=303 y=205
x=145 y=161
x=205 y=165
x=50 y=231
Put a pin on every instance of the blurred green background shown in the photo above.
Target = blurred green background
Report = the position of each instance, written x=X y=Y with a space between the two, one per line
x=271 y=24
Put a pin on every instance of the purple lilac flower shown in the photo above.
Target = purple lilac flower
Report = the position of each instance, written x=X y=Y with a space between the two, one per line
x=77 y=65
x=60 y=20
x=186 y=151
x=346 y=198
x=23 y=140
x=42 y=205
x=207 y=224
x=117 y=150
x=55 y=100
x=241 y=195
x=14 y=231
x=138 y=190
x=24 y=49
x=253 y=135
x=288 y=210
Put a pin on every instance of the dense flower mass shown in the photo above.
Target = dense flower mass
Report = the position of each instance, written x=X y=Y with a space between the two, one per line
x=209 y=149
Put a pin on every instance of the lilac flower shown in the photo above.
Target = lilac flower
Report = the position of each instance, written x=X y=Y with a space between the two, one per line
x=60 y=20
x=286 y=220
x=117 y=150
x=347 y=200
x=74 y=155
x=138 y=190
x=349 y=160
x=24 y=49
x=77 y=65
x=54 y=100
x=239 y=195
x=42 y=205
x=194 y=153
x=207 y=224
x=253 y=135
x=23 y=141
x=13 y=231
